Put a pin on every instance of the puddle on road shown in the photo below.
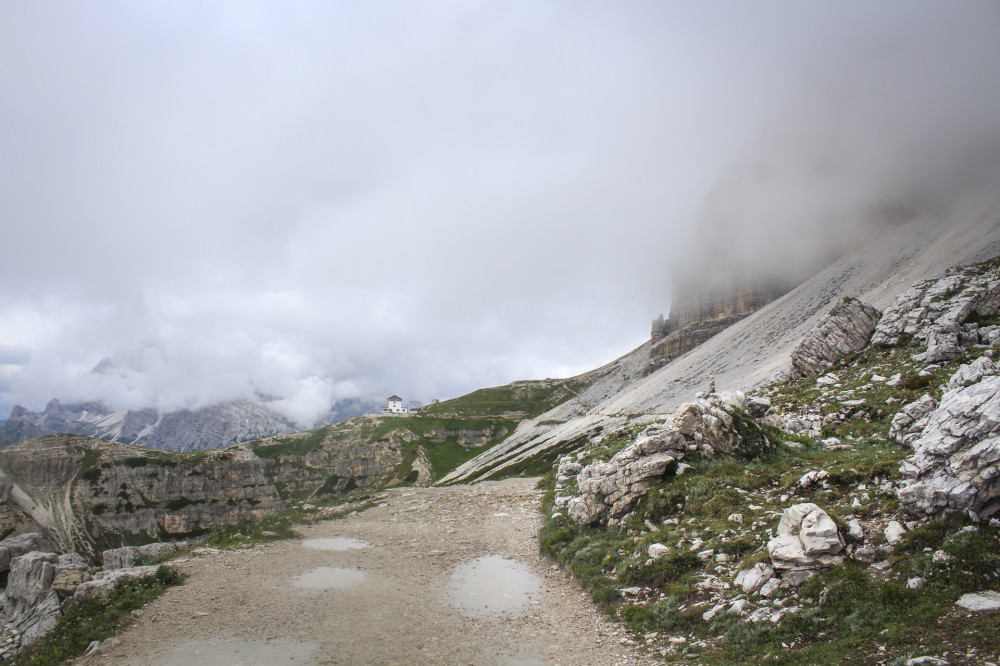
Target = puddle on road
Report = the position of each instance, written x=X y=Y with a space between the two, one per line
x=491 y=586
x=336 y=543
x=238 y=652
x=322 y=578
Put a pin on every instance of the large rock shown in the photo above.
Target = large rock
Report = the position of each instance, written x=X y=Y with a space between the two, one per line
x=980 y=601
x=956 y=464
x=807 y=539
x=71 y=570
x=846 y=328
x=105 y=581
x=29 y=600
x=19 y=544
x=612 y=488
x=125 y=557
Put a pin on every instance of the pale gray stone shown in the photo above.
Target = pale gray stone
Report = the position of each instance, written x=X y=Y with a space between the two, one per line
x=753 y=579
x=980 y=601
x=609 y=490
x=846 y=328
x=770 y=587
x=105 y=581
x=657 y=550
x=125 y=557
x=738 y=606
x=909 y=423
x=29 y=600
x=807 y=538
x=894 y=532
x=973 y=372
x=796 y=577
x=941 y=346
x=757 y=406
x=956 y=461
x=20 y=544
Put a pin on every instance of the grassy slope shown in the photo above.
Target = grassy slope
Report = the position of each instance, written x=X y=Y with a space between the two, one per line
x=497 y=410
x=520 y=400
x=865 y=617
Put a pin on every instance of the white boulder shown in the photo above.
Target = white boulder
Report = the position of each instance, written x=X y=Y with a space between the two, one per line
x=807 y=539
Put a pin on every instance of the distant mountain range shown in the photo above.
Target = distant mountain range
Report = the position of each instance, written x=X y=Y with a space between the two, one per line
x=179 y=430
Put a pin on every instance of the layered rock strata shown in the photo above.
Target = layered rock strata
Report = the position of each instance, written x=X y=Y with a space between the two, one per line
x=943 y=314
x=88 y=492
x=956 y=461
x=610 y=489
x=845 y=329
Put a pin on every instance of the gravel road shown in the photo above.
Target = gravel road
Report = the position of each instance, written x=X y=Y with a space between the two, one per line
x=397 y=601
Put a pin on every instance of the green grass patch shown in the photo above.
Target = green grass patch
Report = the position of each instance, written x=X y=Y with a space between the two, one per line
x=525 y=399
x=294 y=446
x=449 y=454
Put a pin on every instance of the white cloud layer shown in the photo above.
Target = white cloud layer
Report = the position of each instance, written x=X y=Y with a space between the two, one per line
x=318 y=201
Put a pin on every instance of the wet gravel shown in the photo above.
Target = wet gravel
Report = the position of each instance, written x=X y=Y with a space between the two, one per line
x=243 y=606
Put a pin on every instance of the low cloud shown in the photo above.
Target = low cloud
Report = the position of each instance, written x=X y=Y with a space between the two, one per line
x=325 y=202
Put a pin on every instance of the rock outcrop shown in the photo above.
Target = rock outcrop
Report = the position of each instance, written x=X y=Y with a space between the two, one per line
x=29 y=600
x=88 y=492
x=845 y=329
x=126 y=556
x=909 y=423
x=936 y=313
x=19 y=544
x=956 y=461
x=105 y=581
x=610 y=489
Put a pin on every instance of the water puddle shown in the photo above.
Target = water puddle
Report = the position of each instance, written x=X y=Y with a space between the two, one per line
x=491 y=586
x=323 y=578
x=336 y=543
x=238 y=652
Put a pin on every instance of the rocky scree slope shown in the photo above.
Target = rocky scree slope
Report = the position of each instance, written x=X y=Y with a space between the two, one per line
x=849 y=515
x=753 y=350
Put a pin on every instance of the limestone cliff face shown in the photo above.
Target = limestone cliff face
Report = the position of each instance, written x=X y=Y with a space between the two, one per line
x=139 y=495
x=468 y=438
x=338 y=462
x=91 y=494
x=88 y=492
x=698 y=313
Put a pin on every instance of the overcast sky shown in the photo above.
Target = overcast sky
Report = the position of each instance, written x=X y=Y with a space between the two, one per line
x=319 y=200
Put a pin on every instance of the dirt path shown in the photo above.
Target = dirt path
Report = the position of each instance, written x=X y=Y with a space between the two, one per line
x=244 y=606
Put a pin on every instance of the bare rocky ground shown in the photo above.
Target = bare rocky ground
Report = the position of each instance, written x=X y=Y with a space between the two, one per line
x=243 y=606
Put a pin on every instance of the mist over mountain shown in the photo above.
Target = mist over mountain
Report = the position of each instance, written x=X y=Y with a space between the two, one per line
x=323 y=204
